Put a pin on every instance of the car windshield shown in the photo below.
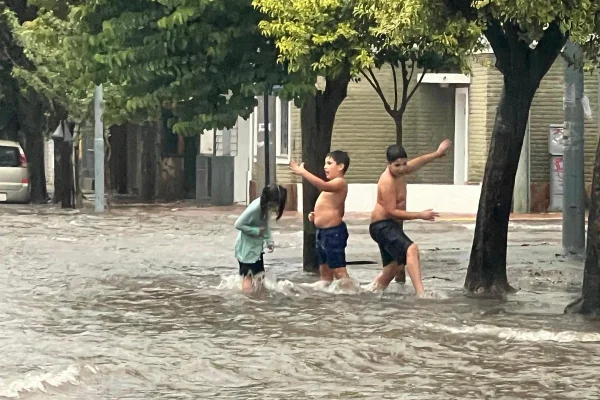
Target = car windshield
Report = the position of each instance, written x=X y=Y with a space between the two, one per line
x=9 y=156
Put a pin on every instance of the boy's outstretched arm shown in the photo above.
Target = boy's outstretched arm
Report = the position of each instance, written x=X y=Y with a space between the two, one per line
x=423 y=160
x=334 y=185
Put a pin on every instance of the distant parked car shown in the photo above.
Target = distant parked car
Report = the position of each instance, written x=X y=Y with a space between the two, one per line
x=14 y=179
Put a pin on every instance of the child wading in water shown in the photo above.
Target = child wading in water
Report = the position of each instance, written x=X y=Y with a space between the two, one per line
x=253 y=225
x=328 y=216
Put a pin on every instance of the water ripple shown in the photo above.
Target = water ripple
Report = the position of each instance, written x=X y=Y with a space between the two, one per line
x=137 y=305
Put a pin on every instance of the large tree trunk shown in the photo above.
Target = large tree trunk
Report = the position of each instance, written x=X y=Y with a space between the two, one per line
x=523 y=69
x=317 y=117
x=34 y=151
x=487 y=265
x=32 y=123
x=589 y=302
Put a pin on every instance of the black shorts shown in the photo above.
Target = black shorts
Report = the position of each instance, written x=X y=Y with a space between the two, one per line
x=331 y=246
x=393 y=242
x=252 y=269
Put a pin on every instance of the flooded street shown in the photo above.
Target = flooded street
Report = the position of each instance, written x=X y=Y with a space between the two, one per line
x=140 y=304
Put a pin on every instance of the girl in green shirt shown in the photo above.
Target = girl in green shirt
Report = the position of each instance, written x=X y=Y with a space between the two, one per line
x=253 y=225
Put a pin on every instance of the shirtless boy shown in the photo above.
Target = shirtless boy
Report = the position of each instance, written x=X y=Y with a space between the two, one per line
x=332 y=233
x=387 y=218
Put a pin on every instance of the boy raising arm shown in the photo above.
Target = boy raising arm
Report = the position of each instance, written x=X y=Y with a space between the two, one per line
x=387 y=218
x=332 y=233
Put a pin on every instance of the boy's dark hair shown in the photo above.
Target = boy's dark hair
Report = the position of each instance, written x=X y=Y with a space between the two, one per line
x=395 y=152
x=340 y=157
x=272 y=194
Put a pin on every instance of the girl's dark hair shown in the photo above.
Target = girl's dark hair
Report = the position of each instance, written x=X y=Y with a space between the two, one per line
x=272 y=194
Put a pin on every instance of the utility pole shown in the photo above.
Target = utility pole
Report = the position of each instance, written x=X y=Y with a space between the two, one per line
x=573 y=223
x=98 y=151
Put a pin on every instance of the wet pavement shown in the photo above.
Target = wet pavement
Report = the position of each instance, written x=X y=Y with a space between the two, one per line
x=144 y=303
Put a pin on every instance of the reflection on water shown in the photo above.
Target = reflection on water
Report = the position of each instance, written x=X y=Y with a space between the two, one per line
x=143 y=306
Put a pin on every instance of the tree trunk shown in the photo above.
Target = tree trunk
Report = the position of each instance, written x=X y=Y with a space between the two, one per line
x=34 y=151
x=487 y=265
x=67 y=197
x=149 y=163
x=77 y=173
x=317 y=117
x=398 y=122
x=401 y=274
x=589 y=302
x=56 y=197
x=523 y=69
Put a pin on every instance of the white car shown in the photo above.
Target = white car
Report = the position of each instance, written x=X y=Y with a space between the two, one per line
x=14 y=178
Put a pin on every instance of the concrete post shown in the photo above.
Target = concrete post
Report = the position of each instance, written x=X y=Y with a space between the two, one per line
x=98 y=151
x=574 y=182
x=267 y=139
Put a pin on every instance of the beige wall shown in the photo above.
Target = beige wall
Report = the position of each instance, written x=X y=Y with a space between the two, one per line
x=479 y=134
x=364 y=129
x=546 y=109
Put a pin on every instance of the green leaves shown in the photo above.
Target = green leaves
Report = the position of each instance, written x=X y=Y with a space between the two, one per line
x=53 y=73
x=198 y=58
x=181 y=54
x=326 y=37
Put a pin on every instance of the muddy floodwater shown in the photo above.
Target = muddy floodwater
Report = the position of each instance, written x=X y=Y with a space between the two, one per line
x=146 y=304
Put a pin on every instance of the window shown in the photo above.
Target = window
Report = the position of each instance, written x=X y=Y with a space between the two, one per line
x=284 y=130
x=9 y=157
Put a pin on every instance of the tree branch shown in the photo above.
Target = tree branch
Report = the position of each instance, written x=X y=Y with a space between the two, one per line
x=375 y=84
x=336 y=89
x=417 y=85
x=495 y=36
x=395 y=87
x=520 y=51
x=405 y=83
x=547 y=49
x=412 y=70
x=463 y=7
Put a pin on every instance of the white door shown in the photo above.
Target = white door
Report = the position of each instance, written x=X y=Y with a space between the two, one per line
x=461 y=136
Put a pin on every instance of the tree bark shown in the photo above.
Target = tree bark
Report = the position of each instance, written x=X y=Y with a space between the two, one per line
x=589 y=302
x=398 y=123
x=56 y=197
x=487 y=265
x=149 y=162
x=34 y=151
x=523 y=69
x=67 y=197
x=317 y=117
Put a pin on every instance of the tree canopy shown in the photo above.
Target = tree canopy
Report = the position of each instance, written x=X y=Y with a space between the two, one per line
x=204 y=60
x=526 y=37
x=325 y=37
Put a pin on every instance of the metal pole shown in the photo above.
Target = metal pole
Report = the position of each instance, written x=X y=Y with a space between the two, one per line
x=98 y=150
x=267 y=144
x=573 y=223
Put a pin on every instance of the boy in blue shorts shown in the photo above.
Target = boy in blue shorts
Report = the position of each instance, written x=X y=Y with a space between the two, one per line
x=332 y=233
